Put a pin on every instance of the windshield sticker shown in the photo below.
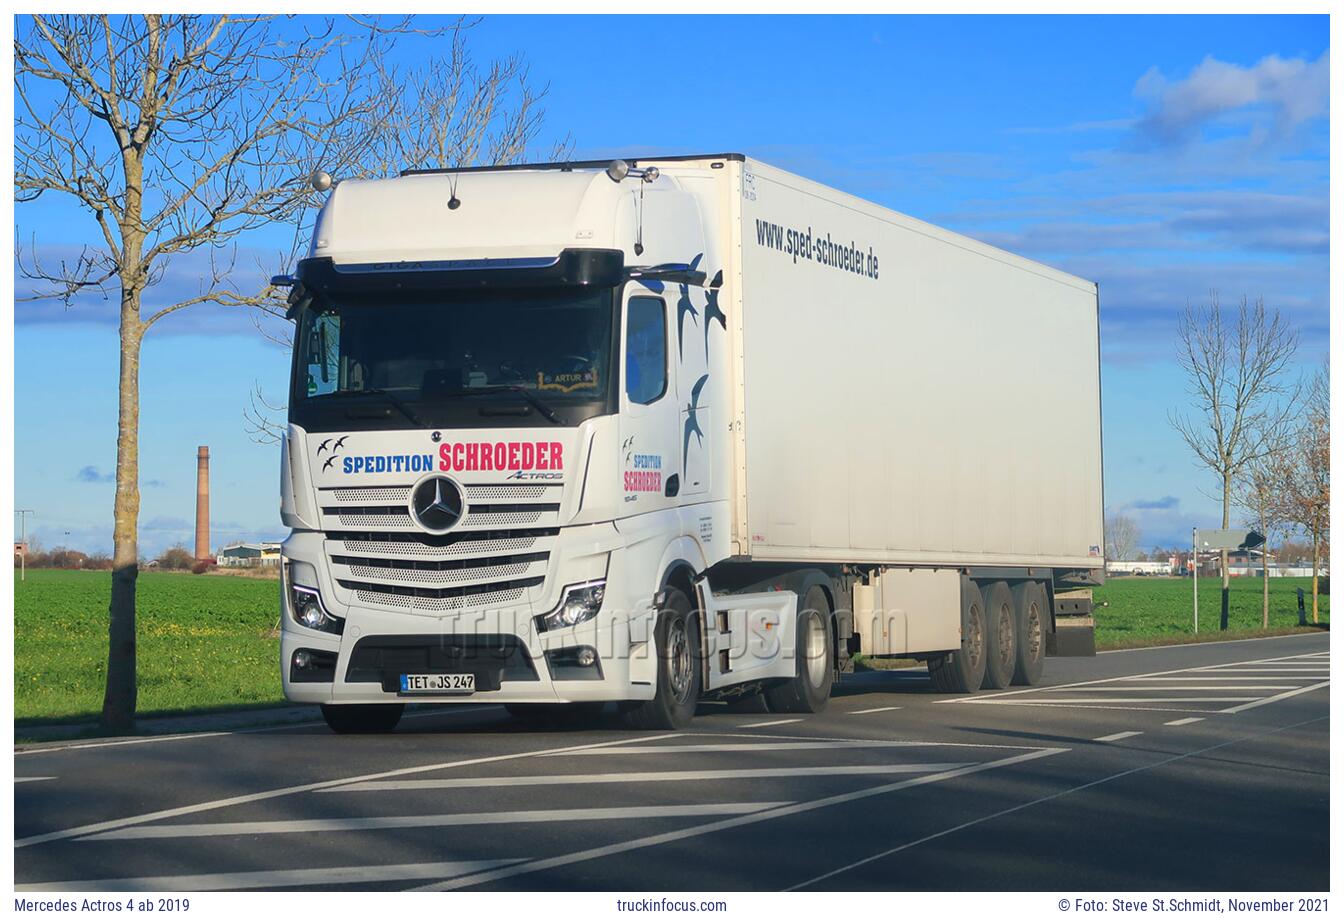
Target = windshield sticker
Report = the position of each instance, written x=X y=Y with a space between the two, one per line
x=569 y=382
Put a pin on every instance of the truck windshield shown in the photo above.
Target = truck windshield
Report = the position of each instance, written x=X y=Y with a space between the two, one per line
x=522 y=357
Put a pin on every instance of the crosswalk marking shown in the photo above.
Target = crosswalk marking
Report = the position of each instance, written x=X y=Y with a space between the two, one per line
x=1179 y=688
x=278 y=878
x=1118 y=736
x=1274 y=699
x=668 y=776
x=731 y=747
x=461 y=819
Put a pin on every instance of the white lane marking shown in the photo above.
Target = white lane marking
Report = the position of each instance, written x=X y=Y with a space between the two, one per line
x=459 y=709
x=1047 y=798
x=1183 y=688
x=1281 y=696
x=668 y=776
x=86 y=829
x=993 y=697
x=1118 y=736
x=1158 y=699
x=276 y=878
x=1242 y=677
x=735 y=747
x=727 y=823
x=864 y=712
x=1275 y=670
x=32 y=779
x=1189 y=721
x=1099 y=704
x=460 y=819
x=768 y=724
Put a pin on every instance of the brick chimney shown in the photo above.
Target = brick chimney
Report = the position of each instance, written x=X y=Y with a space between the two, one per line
x=203 y=503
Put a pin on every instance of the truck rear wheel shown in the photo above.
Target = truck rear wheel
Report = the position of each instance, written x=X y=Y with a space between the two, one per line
x=1029 y=599
x=1000 y=636
x=963 y=671
x=362 y=718
x=810 y=688
x=678 y=686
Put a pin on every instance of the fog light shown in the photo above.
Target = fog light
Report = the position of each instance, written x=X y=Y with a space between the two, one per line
x=311 y=666
x=579 y=663
x=302 y=659
x=586 y=657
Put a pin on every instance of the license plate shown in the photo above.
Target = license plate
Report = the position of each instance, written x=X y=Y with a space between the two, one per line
x=438 y=683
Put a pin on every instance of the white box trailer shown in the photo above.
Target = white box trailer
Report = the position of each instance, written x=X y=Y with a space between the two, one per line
x=675 y=427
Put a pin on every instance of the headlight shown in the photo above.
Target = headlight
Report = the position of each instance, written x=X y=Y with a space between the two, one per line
x=578 y=604
x=305 y=603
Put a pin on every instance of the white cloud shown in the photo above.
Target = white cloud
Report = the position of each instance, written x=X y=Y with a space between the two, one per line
x=1283 y=91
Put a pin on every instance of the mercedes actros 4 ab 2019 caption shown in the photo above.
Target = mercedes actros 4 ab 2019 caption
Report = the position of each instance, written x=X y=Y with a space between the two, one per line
x=656 y=431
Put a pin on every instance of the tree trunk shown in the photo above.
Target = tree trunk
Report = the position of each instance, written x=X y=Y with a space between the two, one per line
x=1315 y=575
x=1264 y=576
x=1227 y=519
x=119 y=699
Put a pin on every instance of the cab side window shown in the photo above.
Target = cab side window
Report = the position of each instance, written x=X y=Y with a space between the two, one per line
x=645 y=349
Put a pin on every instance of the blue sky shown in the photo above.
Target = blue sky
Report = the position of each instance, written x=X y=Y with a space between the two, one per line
x=1160 y=156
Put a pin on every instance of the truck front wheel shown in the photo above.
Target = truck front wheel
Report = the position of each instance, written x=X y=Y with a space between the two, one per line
x=810 y=687
x=362 y=719
x=678 y=688
x=963 y=671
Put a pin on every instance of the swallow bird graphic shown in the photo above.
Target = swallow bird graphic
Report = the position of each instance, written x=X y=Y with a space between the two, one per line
x=323 y=446
x=712 y=312
x=684 y=306
x=692 y=423
x=330 y=461
x=341 y=442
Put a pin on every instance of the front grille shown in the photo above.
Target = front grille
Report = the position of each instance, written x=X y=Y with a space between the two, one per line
x=498 y=551
x=492 y=658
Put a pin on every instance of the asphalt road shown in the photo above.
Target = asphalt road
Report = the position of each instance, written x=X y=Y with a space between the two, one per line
x=1184 y=768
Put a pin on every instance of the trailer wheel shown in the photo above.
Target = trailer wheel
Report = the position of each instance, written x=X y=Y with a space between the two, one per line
x=362 y=719
x=1000 y=636
x=678 y=688
x=963 y=671
x=1029 y=599
x=810 y=688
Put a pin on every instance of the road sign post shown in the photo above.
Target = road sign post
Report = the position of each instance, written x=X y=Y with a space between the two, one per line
x=1194 y=571
x=1220 y=539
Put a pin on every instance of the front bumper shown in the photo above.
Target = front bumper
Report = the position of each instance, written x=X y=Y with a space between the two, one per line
x=502 y=647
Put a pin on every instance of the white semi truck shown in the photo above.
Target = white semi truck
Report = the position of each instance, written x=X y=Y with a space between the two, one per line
x=653 y=431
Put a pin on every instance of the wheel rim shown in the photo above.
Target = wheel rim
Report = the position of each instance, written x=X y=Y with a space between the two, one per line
x=679 y=661
x=975 y=639
x=1005 y=636
x=1033 y=636
x=814 y=647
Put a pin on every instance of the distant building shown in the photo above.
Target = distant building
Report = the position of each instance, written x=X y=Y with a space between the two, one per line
x=1117 y=567
x=249 y=554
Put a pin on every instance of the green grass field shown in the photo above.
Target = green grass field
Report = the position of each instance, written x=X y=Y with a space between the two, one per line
x=203 y=641
x=1144 y=610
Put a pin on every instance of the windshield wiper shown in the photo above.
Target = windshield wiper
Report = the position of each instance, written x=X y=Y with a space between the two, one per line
x=524 y=392
x=393 y=399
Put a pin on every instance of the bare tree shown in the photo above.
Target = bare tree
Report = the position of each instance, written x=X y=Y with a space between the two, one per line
x=1236 y=374
x=1302 y=478
x=1122 y=537
x=1259 y=498
x=178 y=134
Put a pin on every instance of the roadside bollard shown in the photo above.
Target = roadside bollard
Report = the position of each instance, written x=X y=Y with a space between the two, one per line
x=1301 y=608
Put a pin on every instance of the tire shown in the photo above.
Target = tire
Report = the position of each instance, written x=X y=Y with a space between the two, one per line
x=1032 y=622
x=1000 y=636
x=678 y=686
x=810 y=688
x=560 y=714
x=963 y=671
x=362 y=719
